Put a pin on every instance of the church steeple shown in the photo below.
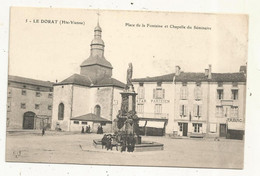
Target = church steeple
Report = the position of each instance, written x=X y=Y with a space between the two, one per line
x=96 y=66
x=97 y=44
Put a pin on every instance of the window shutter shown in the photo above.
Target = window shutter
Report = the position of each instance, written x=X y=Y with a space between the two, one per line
x=185 y=110
x=199 y=93
x=181 y=93
x=200 y=110
x=153 y=93
x=180 y=110
x=185 y=93
x=195 y=93
x=195 y=110
x=163 y=95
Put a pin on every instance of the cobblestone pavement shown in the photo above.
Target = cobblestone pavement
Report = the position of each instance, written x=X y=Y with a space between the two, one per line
x=60 y=147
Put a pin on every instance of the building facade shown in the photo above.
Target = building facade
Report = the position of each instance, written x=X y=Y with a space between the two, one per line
x=154 y=103
x=91 y=98
x=199 y=104
x=29 y=103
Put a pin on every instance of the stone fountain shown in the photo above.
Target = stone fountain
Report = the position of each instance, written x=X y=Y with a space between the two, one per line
x=127 y=122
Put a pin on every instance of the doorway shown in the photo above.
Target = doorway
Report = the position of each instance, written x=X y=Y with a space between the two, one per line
x=28 y=120
x=183 y=127
x=222 y=130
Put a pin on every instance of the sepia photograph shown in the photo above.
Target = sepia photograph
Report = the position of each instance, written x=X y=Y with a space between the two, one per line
x=126 y=88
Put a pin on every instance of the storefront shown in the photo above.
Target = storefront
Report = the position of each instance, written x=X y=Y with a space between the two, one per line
x=152 y=127
x=235 y=128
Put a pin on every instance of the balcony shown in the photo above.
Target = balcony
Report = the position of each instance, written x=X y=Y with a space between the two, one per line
x=153 y=115
x=227 y=102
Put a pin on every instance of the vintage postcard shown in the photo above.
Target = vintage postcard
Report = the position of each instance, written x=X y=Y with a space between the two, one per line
x=128 y=88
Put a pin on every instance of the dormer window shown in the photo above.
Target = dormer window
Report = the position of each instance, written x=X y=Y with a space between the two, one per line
x=234 y=84
x=220 y=84
x=198 y=84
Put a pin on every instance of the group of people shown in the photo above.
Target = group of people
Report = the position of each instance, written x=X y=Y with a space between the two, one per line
x=87 y=129
x=126 y=142
x=100 y=130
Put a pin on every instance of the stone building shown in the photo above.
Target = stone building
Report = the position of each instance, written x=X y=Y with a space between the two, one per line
x=29 y=103
x=154 y=104
x=196 y=104
x=91 y=98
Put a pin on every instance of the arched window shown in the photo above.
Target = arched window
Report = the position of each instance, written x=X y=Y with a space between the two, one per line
x=61 y=111
x=97 y=110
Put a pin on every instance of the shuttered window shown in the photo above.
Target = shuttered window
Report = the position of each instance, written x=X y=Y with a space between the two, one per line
x=140 y=108
x=158 y=93
x=158 y=108
x=184 y=93
x=234 y=111
x=183 y=110
x=140 y=92
x=197 y=110
x=219 y=111
x=197 y=93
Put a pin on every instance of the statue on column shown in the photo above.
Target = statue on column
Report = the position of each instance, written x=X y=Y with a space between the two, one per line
x=129 y=84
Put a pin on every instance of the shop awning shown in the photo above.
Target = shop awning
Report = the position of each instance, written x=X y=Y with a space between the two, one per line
x=236 y=126
x=155 y=124
x=142 y=123
x=92 y=118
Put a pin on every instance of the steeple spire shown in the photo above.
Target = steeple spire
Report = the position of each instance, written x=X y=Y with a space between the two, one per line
x=96 y=67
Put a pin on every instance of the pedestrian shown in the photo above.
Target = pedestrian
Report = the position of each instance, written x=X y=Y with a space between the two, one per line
x=86 y=129
x=104 y=141
x=82 y=130
x=89 y=129
x=101 y=130
x=123 y=143
x=43 y=131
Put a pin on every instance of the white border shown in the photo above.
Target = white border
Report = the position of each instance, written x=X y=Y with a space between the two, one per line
x=252 y=146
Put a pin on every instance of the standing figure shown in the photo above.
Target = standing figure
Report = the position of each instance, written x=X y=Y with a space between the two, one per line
x=86 y=129
x=82 y=130
x=89 y=129
x=43 y=131
x=129 y=75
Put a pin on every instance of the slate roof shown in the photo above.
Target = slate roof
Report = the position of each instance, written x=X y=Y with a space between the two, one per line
x=82 y=80
x=96 y=60
x=30 y=81
x=109 y=82
x=195 y=77
x=216 y=77
x=76 y=79
x=91 y=117
x=163 y=78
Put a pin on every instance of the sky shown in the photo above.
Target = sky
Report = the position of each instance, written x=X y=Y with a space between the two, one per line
x=50 y=51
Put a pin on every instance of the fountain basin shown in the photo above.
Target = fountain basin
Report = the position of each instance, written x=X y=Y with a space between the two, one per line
x=144 y=146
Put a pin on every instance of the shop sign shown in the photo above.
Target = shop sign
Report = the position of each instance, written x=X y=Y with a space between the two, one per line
x=234 y=120
x=160 y=101
x=141 y=100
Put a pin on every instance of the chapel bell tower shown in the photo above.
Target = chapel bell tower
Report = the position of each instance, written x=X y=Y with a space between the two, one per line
x=96 y=67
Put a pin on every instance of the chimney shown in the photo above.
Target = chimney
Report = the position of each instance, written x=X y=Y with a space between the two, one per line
x=209 y=75
x=206 y=72
x=177 y=70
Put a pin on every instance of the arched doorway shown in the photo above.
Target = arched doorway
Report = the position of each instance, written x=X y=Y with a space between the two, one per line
x=28 y=120
x=97 y=110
